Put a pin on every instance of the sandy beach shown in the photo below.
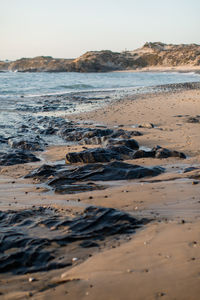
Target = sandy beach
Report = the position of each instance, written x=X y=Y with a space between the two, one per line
x=161 y=260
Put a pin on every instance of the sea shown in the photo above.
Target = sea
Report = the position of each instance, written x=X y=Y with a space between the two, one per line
x=26 y=98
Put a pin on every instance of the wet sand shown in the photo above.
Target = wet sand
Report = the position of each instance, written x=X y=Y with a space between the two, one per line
x=161 y=260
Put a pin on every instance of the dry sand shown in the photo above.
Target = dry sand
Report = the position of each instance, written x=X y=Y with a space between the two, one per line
x=161 y=261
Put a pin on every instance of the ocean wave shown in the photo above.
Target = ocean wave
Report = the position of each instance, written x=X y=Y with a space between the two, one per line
x=77 y=86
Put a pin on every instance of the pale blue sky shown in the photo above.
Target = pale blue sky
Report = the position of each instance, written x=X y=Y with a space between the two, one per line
x=68 y=28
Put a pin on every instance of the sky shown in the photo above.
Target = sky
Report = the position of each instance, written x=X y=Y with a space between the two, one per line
x=69 y=28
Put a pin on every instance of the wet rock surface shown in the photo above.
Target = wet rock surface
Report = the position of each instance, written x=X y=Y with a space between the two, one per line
x=35 y=132
x=77 y=188
x=195 y=119
x=107 y=172
x=92 y=135
x=93 y=155
x=42 y=239
x=17 y=157
x=189 y=169
x=45 y=171
x=31 y=145
x=143 y=153
x=119 y=152
x=161 y=152
x=130 y=143
x=60 y=177
x=158 y=152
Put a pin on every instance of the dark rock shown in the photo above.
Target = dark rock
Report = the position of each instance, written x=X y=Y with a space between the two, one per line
x=94 y=135
x=92 y=156
x=65 y=179
x=77 y=134
x=16 y=157
x=104 y=172
x=24 y=144
x=97 y=133
x=130 y=143
x=194 y=119
x=89 y=244
x=119 y=152
x=195 y=182
x=44 y=172
x=125 y=134
x=22 y=251
x=158 y=152
x=143 y=153
x=3 y=140
x=49 y=131
x=77 y=188
x=189 y=169
x=124 y=151
x=165 y=153
x=99 y=155
x=94 y=141
x=117 y=149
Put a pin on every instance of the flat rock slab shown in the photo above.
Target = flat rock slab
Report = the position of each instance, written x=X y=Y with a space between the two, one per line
x=27 y=144
x=78 y=188
x=40 y=239
x=16 y=157
x=60 y=178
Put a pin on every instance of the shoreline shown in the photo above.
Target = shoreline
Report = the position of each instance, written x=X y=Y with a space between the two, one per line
x=162 y=259
x=167 y=69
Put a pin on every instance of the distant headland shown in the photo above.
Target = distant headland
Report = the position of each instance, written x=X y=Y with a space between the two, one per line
x=149 y=57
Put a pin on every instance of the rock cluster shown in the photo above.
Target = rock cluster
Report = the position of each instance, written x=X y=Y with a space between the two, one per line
x=14 y=157
x=121 y=151
x=103 y=163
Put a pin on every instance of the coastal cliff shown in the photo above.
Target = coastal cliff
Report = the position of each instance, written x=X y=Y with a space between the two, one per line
x=150 y=55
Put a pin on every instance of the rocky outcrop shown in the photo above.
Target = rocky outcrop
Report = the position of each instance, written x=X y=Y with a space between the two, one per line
x=150 y=55
x=92 y=136
x=119 y=152
x=161 y=54
x=4 y=66
x=40 y=64
x=17 y=157
x=91 y=172
x=64 y=235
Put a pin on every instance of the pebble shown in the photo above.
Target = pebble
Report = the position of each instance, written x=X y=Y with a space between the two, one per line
x=129 y=271
x=195 y=182
x=161 y=294
x=74 y=259
x=31 y=279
